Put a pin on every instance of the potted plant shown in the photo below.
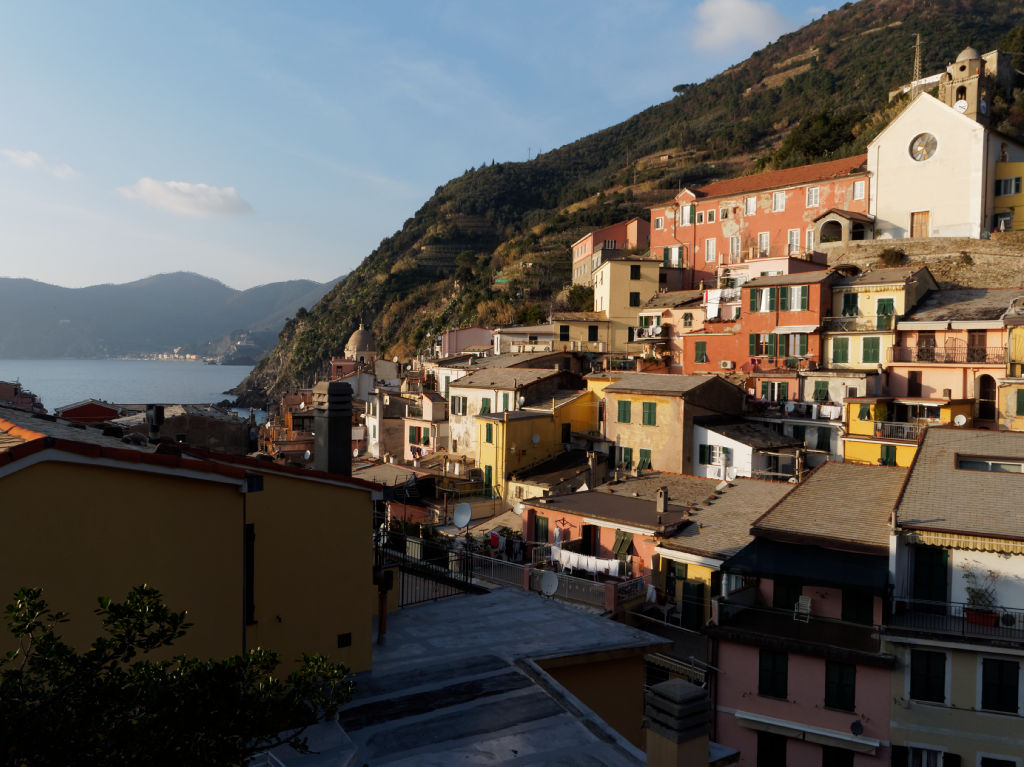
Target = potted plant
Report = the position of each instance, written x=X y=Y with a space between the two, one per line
x=981 y=596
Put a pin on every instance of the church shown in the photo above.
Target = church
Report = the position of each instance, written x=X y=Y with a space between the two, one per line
x=939 y=169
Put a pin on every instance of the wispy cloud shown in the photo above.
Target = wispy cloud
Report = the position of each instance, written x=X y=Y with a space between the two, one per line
x=29 y=160
x=728 y=23
x=185 y=199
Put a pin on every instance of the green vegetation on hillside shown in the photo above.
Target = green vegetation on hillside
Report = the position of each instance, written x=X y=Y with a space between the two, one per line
x=815 y=94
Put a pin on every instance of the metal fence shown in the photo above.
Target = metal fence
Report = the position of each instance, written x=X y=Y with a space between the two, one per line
x=425 y=570
x=959 y=619
x=632 y=589
x=894 y=430
x=572 y=588
x=498 y=570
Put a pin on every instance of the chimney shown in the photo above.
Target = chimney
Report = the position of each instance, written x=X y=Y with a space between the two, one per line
x=661 y=503
x=677 y=717
x=332 y=419
x=154 y=419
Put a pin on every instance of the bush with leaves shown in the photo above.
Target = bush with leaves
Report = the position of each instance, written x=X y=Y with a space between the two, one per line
x=108 y=705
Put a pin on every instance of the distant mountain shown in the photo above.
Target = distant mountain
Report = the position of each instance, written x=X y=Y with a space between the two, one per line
x=492 y=245
x=151 y=315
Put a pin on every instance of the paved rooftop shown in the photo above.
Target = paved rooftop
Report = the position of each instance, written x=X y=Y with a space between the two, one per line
x=454 y=684
x=963 y=304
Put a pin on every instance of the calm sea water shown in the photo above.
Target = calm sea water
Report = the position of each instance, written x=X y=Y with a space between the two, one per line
x=62 y=382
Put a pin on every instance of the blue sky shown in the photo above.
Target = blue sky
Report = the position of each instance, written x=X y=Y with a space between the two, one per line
x=254 y=142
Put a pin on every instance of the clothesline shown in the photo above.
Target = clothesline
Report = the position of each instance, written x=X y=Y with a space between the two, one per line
x=591 y=564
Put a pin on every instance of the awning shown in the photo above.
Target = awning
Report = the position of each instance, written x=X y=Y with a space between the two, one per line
x=812 y=564
x=783 y=330
x=808 y=733
x=913 y=325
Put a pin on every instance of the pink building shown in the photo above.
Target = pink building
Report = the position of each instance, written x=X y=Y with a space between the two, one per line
x=453 y=342
x=780 y=213
x=802 y=679
x=953 y=346
x=588 y=250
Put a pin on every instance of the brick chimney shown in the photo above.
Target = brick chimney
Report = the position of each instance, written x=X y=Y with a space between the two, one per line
x=332 y=420
x=677 y=717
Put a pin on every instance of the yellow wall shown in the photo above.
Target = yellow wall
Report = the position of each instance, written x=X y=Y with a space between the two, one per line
x=1011 y=202
x=612 y=287
x=856 y=350
x=664 y=439
x=81 y=531
x=855 y=451
x=579 y=335
x=1007 y=403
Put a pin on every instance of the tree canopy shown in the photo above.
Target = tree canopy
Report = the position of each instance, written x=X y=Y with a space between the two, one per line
x=112 y=705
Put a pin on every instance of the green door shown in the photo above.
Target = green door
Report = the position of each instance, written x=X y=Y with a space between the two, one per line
x=540 y=529
x=487 y=476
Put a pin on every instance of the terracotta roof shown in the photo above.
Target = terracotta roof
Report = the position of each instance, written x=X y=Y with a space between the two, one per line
x=673 y=299
x=939 y=496
x=656 y=383
x=851 y=215
x=625 y=510
x=844 y=506
x=963 y=304
x=798 y=278
x=774 y=179
x=503 y=378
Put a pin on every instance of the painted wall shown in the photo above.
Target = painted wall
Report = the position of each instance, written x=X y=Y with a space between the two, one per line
x=612 y=288
x=665 y=439
x=1010 y=203
x=740 y=459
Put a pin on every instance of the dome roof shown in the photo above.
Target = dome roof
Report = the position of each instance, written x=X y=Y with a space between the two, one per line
x=967 y=54
x=361 y=341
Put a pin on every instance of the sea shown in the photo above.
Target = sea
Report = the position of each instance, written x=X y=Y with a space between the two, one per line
x=63 y=382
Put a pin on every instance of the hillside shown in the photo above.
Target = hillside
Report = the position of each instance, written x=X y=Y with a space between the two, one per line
x=155 y=314
x=492 y=245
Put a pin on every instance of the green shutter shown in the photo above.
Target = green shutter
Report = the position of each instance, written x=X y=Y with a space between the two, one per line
x=753 y=344
x=821 y=391
x=649 y=414
x=412 y=435
x=703 y=455
x=485 y=405
x=870 y=349
x=666 y=255
x=784 y=299
x=801 y=344
x=840 y=349
x=624 y=411
x=1020 y=401
x=700 y=351
x=489 y=430
x=754 y=294
x=865 y=412
x=766 y=390
x=773 y=298
x=804 y=296
x=773 y=344
x=783 y=391
x=627 y=456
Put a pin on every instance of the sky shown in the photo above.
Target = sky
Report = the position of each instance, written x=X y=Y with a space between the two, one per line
x=255 y=142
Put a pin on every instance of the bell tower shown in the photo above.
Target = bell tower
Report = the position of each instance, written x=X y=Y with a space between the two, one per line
x=966 y=87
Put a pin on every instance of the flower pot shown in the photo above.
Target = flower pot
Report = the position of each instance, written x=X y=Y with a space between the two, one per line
x=981 y=617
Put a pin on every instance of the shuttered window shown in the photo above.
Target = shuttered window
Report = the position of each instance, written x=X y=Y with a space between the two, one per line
x=1020 y=401
x=870 y=349
x=841 y=350
x=700 y=351
x=624 y=411
x=650 y=414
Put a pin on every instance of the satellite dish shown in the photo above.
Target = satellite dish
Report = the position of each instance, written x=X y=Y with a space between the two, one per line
x=522 y=400
x=657 y=330
x=535 y=439
x=518 y=508
x=792 y=480
x=463 y=513
x=960 y=420
x=355 y=452
x=722 y=485
x=549 y=583
x=395 y=359
x=302 y=406
x=307 y=455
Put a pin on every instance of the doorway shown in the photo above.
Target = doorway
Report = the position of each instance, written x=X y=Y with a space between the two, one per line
x=986 y=393
x=919 y=224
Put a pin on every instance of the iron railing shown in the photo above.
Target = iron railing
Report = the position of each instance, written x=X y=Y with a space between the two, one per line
x=955 y=355
x=958 y=618
x=571 y=588
x=635 y=588
x=854 y=323
x=498 y=570
x=893 y=430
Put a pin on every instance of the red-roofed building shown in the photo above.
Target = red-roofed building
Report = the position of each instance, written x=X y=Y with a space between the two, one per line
x=778 y=213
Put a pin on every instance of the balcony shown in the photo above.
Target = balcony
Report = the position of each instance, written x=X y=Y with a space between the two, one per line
x=908 y=432
x=858 y=323
x=813 y=411
x=995 y=355
x=780 y=364
x=956 y=619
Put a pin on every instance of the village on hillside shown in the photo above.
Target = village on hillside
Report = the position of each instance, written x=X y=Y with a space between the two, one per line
x=750 y=508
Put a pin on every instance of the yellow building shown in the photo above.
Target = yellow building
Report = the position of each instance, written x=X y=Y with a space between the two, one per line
x=514 y=440
x=580 y=331
x=1008 y=205
x=250 y=549
x=885 y=431
x=621 y=286
x=865 y=309
x=1010 y=389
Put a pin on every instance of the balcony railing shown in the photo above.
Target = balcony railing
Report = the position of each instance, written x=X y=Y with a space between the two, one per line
x=734 y=615
x=910 y=432
x=995 y=355
x=853 y=323
x=816 y=411
x=958 y=618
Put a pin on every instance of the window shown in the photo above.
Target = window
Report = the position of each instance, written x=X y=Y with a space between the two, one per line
x=592 y=333
x=850 y=307
x=884 y=308
x=820 y=391
x=634 y=299
x=1007 y=186
x=626 y=456
x=771 y=749
x=840 y=350
x=689 y=213
x=713 y=455
x=832 y=756
x=773 y=673
x=709 y=249
x=688 y=323
x=659 y=223
x=869 y=348
x=750 y=206
x=985 y=464
x=723 y=214
x=1020 y=401
x=645 y=459
x=793 y=241
x=864 y=413
x=711 y=216
x=840 y=685
x=762 y=244
x=700 y=351
x=540 y=529
x=734 y=247
x=800 y=432
x=762 y=344
x=775 y=391
x=824 y=439
x=624 y=411
x=778 y=202
x=650 y=410
x=812 y=196
x=928 y=675
x=563 y=332
x=991 y=761
x=485 y=405
x=504 y=400
x=810 y=239
x=634 y=271
x=700 y=217
x=858 y=606
x=666 y=257
x=1000 y=685
x=858 y=190
x=460 y=406
x=796 y=345
x=489 y=433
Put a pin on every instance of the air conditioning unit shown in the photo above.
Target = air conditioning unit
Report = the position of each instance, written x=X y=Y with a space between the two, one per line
x=726 y=364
